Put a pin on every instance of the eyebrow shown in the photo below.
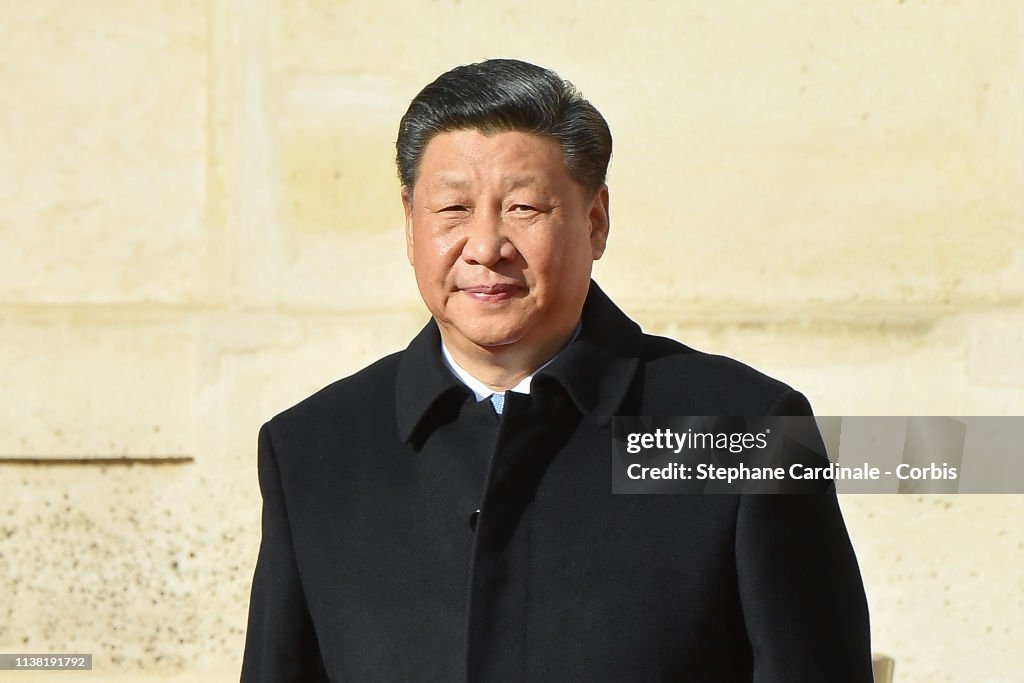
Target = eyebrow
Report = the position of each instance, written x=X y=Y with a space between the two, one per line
x=516 y=182
x=456 y=182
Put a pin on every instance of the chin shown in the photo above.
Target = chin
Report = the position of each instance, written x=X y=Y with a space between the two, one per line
x=487 y=330
x=488 y=337
x=493 y=341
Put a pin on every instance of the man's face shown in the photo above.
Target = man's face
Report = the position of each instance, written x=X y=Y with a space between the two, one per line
x=502 y=240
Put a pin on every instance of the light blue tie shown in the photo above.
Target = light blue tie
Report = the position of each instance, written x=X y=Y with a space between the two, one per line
x=498 y=401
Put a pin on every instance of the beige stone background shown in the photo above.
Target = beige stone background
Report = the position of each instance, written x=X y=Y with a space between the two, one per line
x=200 y=225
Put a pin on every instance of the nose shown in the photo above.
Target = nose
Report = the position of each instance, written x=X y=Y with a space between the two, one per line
x=486 y=240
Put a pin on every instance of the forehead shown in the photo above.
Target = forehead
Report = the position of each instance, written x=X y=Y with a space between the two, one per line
x=472 y=158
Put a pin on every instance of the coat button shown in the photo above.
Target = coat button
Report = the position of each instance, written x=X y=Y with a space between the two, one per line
x=473 y=516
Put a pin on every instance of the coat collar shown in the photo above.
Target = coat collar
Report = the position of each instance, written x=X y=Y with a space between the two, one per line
x=595 y=370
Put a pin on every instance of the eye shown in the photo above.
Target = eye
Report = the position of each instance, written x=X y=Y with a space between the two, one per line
x=452 y=208
x=521 y=208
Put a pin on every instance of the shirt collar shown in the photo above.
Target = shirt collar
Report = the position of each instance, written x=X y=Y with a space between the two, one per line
x=595 y=369
x=480 y=390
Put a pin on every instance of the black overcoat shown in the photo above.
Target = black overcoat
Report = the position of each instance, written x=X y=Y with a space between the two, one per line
x=370 y=570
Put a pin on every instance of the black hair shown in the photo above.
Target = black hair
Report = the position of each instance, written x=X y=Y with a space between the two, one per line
x=500 y=95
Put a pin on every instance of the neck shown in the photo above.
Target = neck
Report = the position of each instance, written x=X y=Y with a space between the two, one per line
x=503 y=367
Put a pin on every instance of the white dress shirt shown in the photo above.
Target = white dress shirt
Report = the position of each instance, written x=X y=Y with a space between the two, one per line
x=484 y=392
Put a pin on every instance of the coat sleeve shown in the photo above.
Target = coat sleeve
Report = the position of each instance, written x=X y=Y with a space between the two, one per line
x=800 y=587
x=280 y=642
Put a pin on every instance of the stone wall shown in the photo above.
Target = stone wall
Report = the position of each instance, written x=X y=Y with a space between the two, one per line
x=200 y=226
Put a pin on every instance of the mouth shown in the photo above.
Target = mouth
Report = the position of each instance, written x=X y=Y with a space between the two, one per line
x=490 y=293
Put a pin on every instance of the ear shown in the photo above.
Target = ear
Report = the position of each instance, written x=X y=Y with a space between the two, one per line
x=407 y=205
x=599 y=222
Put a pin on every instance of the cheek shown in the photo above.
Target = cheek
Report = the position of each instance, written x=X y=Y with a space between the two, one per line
x=447 y=246
x=556 y=255
x=435 y=253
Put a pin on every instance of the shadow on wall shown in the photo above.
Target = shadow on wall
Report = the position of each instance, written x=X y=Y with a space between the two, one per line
x=881 y=668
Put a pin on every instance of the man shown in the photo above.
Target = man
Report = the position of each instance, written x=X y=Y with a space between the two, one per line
x=446 y=514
